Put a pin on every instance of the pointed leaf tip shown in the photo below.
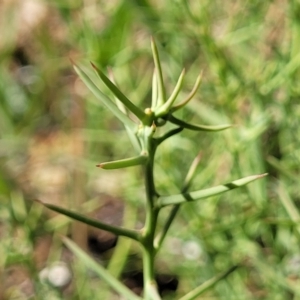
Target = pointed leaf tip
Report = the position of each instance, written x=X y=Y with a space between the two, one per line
x=159 y=77
x=191 y=94
x=38 y=201
x=124 y=163
x=165 y=108
x=262 y=175
x=117 y=92
x=72 y=61
x=93 y=65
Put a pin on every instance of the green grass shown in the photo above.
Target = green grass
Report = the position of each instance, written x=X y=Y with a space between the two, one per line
x=54 y=132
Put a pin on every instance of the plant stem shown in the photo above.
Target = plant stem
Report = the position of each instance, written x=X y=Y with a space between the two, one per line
x=148 y=234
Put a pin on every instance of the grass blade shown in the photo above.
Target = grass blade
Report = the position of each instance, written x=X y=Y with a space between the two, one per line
x=104 y=99
x=101 y=271
x=207 y=285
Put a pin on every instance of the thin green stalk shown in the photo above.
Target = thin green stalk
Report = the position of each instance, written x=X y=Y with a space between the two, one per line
x=160 y=82
x=124 y=163
x=190 y=95
x=154 y=91
x=207 y=285
x=197 y=127
x=175 y=209
x=150 y=289
x=119 y=258
x=101 y=271
x=148 y=270
x=165 y=108
x=289 y=205
x=121 y=252
x=142 y=136
x=134 y=109
x=160 y=238
x=168 y=134
x=133 y=234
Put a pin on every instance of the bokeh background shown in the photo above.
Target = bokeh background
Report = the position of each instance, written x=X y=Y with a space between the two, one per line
x=53 y=132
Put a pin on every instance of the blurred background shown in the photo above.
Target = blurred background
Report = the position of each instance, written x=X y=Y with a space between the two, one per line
x=53 y=132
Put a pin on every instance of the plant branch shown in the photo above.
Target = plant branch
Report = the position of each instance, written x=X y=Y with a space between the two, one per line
x=190 y=96
x=168 y=134
x=205 y=193
x=132 y=234
x=197 y=127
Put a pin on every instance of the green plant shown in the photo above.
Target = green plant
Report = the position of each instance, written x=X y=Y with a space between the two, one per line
x=146 y=139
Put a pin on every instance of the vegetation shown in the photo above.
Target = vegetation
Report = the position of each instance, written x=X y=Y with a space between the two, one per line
x=54 y=132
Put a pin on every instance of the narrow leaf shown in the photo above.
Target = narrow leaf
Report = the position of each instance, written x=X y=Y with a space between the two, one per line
x=197 y=195
x=133 y=108
x=154 y=91
x=93 y=222
x=191 y=94
x=132 y=136
x=194 y=294
x=101 y=271
x=124 y=163
x=104 y=99
x=159 y=239
x=122 y=250
x=197 y=127
x=191 y=173
x=281 y=167
x=160 y=81
x=168 y=134
x=289 y=205
x=187 y=183
x=165 y=108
